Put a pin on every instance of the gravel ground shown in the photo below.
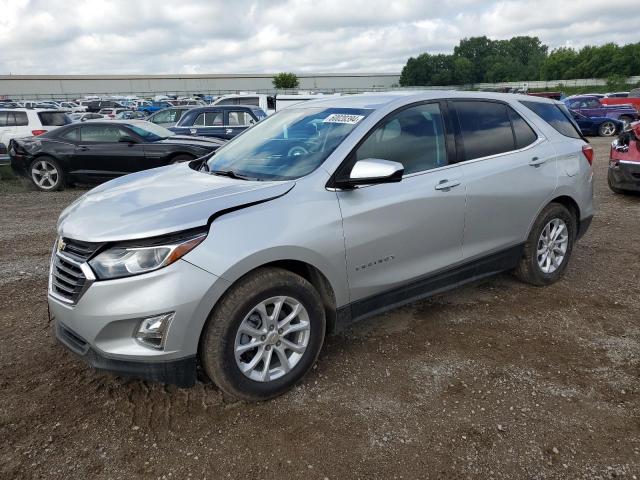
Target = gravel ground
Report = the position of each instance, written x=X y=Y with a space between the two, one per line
x=494 y=380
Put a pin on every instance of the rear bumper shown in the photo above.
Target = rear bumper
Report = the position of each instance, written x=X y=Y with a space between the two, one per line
x=180 y=372
x=625 y=175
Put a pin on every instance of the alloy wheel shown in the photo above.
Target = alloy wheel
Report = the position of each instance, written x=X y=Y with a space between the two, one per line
x=272 y=338
x=45 y=175
x=552 y=245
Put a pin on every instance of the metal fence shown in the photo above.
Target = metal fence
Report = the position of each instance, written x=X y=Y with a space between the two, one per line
x=530 y=85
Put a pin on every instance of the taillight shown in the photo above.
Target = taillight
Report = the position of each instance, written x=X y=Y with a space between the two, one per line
x=35 y=133
x=587 y=150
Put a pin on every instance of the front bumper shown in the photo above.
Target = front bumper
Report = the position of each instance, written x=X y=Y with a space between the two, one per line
x=101 y=326
x=625 y=175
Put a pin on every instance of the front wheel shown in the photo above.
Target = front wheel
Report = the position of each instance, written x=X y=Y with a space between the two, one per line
x=549 y=246
x=47 y=174
x=607 y=129
x=264 y=335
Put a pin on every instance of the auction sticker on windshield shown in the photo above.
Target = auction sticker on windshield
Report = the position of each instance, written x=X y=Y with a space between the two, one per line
x=343 y=118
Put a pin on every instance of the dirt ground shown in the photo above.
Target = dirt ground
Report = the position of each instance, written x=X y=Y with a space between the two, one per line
x=494 y=380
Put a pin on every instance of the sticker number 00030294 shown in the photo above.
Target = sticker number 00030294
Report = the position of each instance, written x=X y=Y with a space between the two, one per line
x=343 y=118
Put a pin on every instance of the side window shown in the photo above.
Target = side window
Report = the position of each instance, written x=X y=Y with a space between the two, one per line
x=101 y=133
x=209 y=119
x=523 y=132
x=3 y=119
x=240 y=118
x=414 y=137
x=592 y=103
x=485 y=128
x=162 y=117
x=555 y=116
x=72 y=135
x=21 y=119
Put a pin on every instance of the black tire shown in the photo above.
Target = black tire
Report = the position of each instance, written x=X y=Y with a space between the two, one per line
x=626 y=119
x=182 y=158
x=54 y=182
x=612 y=188
x=607 y=129
x=217 y=354
x=529 y=270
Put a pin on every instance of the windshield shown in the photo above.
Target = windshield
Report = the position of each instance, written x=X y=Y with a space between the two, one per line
x=150 y=131
x=287 y=145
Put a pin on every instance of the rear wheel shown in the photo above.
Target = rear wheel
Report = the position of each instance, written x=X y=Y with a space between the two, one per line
x=47 y=174
x=549 y=246
x=607 y=129
x=264 y=335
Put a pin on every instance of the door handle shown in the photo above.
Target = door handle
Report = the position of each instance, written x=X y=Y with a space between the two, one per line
x=446 y=185
x=536 y=162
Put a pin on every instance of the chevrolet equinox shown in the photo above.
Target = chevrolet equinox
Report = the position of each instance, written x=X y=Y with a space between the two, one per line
x=239 y=263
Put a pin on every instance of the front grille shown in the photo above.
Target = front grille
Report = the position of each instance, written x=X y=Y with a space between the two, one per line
x=68 y=280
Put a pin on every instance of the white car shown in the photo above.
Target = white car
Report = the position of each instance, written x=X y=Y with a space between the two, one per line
x=26 y=122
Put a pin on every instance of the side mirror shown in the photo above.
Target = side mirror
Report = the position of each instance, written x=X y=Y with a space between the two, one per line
x=372 y=171
x=127 y=139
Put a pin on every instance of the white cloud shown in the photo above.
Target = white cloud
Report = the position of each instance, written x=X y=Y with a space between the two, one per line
x=207 y=36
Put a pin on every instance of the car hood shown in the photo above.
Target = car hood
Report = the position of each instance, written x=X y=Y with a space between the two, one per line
x=159 y=201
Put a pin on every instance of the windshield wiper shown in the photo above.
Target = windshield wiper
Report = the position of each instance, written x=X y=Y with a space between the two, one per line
x=231 y=174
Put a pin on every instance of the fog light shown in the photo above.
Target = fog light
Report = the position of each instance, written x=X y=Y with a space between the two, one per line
x=152 y=331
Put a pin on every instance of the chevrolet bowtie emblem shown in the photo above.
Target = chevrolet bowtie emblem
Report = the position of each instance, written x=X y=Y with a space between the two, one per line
x=61 y=245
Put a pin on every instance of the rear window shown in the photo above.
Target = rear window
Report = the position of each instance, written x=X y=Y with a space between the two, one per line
x=556 y=116
x=54 y=119
x=485 y=128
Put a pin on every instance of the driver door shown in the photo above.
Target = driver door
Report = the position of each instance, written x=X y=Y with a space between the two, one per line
x=398 y=234
x=101 y=154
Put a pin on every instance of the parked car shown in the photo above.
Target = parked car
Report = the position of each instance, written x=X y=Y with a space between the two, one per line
x=101 y=150
x=633 y=99
x=37 y=104
x=324 y=213
x=23 y=122
x=591 y=106
x=267 y=103
x=616 y=95
x=112 y=112
x=218 y=121
x=150 y=107
x=624 y=161
x=83 y=117
x=130 y=115
x=169 y=116
x=597 y=126
x=96 y=105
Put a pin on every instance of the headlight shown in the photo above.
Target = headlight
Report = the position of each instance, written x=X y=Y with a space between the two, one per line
x=127 y=260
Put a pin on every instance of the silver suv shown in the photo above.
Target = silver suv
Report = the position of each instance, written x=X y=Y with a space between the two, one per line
x=322 y=214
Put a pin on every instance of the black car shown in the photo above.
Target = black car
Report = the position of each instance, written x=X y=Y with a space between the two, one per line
x=96 y=151
x=220 y=121
x=97 y=105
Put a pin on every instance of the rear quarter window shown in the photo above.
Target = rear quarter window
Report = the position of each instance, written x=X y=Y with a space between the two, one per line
x=555 y=116
x=523 y=133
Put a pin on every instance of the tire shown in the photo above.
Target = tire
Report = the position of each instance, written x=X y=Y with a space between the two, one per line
x=182 y=158
x=47 y=174
x=531 y=268
x=616 y=190
x=239 y=307
x=626 y=119
x=607 y=129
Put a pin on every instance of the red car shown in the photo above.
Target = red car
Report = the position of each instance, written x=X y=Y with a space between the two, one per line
x=624 y=161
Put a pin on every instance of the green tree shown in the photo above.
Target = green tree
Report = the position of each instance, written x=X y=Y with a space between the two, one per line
x=284 y=81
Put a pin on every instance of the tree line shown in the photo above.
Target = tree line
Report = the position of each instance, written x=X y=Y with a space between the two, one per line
x=482 y=60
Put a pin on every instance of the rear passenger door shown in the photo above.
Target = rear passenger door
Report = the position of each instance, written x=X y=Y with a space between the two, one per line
x=509 y=170
x=236 y=121
x=208 y=124
x=396 y=233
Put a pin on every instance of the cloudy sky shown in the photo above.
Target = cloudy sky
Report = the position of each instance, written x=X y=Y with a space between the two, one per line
x=209 y=36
